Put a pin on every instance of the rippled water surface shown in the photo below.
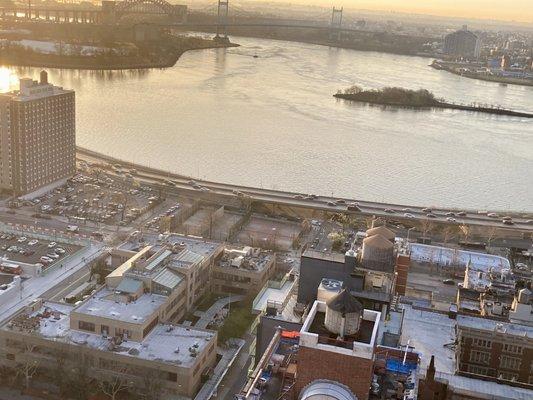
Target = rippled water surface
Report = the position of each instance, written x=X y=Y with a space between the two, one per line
x=271 y=121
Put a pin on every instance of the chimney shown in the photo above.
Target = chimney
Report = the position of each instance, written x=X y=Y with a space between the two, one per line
x=44 y=77
x=430 y=374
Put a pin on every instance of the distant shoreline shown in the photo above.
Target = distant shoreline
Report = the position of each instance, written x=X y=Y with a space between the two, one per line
x=442 y=66
x=41 y=60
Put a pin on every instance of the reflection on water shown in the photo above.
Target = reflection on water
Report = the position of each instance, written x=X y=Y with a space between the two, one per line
x=272 y=121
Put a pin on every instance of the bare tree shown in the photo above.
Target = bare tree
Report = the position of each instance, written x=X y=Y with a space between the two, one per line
x=491 y=235
x=113 y=386
x=28 y=367
x=426 y=226
x=466 y=232
x=449 y=233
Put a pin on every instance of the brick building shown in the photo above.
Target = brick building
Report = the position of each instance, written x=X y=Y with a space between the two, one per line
x=495 y=350
x=37 y=136
x=337 y=343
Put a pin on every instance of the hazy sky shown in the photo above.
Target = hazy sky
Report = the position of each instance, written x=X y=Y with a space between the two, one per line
x=517 y=10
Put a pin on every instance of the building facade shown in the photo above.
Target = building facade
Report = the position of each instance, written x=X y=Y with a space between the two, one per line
x=37 y=136
x=495 y=350
x=462 y=43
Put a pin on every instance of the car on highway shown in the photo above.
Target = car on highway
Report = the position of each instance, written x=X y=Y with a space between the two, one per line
x=461 y=213
x=330 y=203
x=449 y=282
x=492 y=215
x=450 y=214
x=507 y=222
x=529 y=222
x=427 y=210
x=451 y=219
x=353 y=207
x=298 y=197
x=507 y=218
x=431 y=215
x=341 y=201
x=408 y=215
x=389 y=211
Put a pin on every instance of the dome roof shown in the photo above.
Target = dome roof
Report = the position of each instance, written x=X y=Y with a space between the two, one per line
x=322 y=389
x=381 y=230
x=378 y=241
x=344 y=303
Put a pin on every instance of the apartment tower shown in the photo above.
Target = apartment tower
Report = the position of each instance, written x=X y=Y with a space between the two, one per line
x=37 y=136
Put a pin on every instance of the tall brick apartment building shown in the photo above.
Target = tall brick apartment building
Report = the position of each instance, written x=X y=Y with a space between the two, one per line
x=495 y=350
x=37 y=136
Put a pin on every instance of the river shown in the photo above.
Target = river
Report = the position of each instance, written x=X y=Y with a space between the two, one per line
x=271 y=121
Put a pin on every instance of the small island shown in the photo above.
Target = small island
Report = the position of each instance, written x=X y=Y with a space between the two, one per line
x=421 y=99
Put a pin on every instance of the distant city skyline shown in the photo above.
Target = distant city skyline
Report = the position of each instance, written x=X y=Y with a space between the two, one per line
x=514 y=10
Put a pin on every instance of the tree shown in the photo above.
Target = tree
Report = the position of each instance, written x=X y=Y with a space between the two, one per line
x=426 y=226
x=116 y=384
x=491 y=235
x=466 y=232
x=28 y=367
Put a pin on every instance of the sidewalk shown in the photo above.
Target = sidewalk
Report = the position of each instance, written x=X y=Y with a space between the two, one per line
x=209 y=315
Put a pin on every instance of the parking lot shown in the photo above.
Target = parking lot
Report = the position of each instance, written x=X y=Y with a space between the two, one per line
x=95 y=197
x=29 y=250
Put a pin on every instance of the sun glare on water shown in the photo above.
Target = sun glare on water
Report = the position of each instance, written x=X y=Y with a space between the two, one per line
x=8 y=79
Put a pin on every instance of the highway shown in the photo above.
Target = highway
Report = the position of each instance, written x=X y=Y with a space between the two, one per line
x=151 y=176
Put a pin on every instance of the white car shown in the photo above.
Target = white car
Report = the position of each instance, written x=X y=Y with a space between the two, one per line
x=52 y=244
x=22 y=239
x=408 y=215
x=59 y=250
x=46 y=260
x=53 y=256
x=33 y=242
x=450 y=219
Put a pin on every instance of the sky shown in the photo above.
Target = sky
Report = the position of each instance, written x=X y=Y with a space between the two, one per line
x=509 y=10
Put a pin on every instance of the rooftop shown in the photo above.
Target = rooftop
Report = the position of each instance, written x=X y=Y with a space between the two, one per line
x=106 y=305
x=497 y=326
x=165 y=343
x=334 y=257
x=432 y=333
x=246 y=258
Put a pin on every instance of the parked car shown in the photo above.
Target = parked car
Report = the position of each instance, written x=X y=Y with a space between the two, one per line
x=52 y=244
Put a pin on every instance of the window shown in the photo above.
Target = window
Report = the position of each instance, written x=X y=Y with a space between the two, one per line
x=104 y=330
x=512 y=348
x=172 y=376
x=482 y=343
x=481 y=357
x=510 y=362
x=475 y=369
x=86 y=326
x=508 y=376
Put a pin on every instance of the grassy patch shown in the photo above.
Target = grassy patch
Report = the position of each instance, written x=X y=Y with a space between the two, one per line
x=207 y=301
x=238 y=321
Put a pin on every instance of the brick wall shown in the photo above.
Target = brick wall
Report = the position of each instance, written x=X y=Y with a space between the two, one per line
x=354 y=372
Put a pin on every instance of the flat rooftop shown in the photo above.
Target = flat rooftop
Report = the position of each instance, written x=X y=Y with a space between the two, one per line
x=195 y=244
x=272 y=294
x=445 y=256
x=245 y=258
x=497 y=326
x=165 y=343
x=432 y=333
x=103 y=304
x=326 y=256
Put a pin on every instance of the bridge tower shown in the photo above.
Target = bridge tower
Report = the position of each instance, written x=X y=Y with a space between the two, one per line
x=336 y=24
x=222 y=19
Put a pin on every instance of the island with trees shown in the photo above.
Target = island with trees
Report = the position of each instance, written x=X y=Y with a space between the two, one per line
x=418 y=99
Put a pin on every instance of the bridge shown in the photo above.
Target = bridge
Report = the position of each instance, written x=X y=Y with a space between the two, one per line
x=113 y=12
x=110 y=12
